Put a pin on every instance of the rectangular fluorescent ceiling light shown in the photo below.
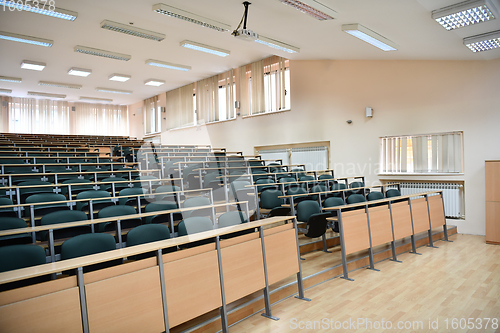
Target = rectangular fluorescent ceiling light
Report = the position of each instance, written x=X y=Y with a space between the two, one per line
x=40 y=8
x=5 y=91
x=129 y=30
x=95 y=99
x=10 y=79
x=42 y=94
x=102 y=53
x=79 y=72
x=312 y=8
x=114 y=91
x=164 y=64
x=369 y=36
x=190 y=17
x=465 y=13
x=154 y=82
x=59 y=85
x=33 y=65
x=276 y=44
x=120 y=77
x=26 y=39
x=483 y=42
x=204 y=48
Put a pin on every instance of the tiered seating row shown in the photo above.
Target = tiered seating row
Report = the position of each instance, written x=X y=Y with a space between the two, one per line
x=159 y=293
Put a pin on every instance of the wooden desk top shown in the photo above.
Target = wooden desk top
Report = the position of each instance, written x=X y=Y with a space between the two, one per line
x=64 y=265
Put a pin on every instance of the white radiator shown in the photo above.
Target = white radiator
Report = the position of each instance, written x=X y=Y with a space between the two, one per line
x=452 y=195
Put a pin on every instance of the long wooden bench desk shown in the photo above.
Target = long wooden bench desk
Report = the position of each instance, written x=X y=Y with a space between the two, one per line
x=159 y=293
x=387 y=220
x=43 y=167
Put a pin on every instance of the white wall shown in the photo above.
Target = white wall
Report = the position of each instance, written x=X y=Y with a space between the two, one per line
x=408 y=97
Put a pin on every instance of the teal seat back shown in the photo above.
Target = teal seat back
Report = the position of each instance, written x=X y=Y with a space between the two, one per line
x=231 y=218
x=319 y=188
x=192 y=225
x=63 y=217
x=269 y=199
x=296 y=190
x=91 y=195
x=147 y=233
x=355 y=198
x=167 y=188
x=158 y=206
x=83 y=245
x=375 y=196
x=20 y=256
x=392 y=193
x=336 y=187
x=8 y=222
x=306 y=178
x=325 y=177
x=130 y=191
x=117 y=210
x=145 y=181
x=307 y=208
x=333 y=202
x=196 y=202
x=45 y=197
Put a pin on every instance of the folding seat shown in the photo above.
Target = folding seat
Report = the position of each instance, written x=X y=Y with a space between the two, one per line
x=63 y=217
x=337 y=187
x=103 y=199
x=270 y=204
x=197 y=202
x=118 y=210
x=310 y=213
x=7 y=223
x=51 y=206
x=148 y=233
x=193 y=225
x=88 y=244
x=19 y=256
x=30 y=187
x=334 y=202
x=161 y=206
x=7 y=212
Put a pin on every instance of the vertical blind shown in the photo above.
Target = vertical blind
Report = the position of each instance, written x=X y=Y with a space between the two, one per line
x=180 y=107
x=436 y=153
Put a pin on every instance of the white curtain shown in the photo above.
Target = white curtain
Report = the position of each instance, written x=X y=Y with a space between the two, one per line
x=28 y=115
x=101 y=119
x=151 y=121
x=207 y=99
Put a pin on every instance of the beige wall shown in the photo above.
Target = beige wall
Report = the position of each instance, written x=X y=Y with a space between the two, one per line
x=408 y=97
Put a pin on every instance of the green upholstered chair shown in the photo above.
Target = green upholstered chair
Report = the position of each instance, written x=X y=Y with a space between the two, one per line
x=316 y=224
x=7 y=223
x=64 y=217
x=159 y=206
x=52 y=206
x=118 y=210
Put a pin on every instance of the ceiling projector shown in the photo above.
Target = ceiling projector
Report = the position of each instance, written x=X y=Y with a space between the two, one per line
x=246 y=34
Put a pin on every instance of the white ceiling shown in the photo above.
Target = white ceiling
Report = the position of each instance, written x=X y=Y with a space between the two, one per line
x=407 y=23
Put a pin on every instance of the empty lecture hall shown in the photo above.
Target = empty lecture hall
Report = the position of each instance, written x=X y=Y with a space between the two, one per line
x=263 y=166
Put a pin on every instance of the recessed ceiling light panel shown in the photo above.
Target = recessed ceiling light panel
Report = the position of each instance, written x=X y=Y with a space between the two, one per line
x=164 y=64
x=133 y=31
x=79 y=72
x=10 y=79
x=369 y=36
x=276 y=44
x=33 y=65
x=312 y=8
x=484 y=42
x=26 y=39
x=119 y=77
x=190 y=17
x=40 y=8
x=59 y=85
x=204 y=48
x=114 y=91
x=42 y=94
x=465 y=13
x=102 y=53
x=5 y=91
x=154 y=82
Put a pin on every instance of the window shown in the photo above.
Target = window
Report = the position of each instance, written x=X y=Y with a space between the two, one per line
x=428 y=153
x=152 y=116
x=28 y=115
x=265 y=86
